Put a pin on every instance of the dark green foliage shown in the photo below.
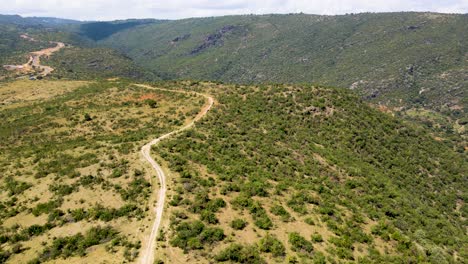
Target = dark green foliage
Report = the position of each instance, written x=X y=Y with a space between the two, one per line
x=334 y=155
x=238 y=224
x=152 y=103
x=138 y=188
x=15 y=187
x=208 y=217
x=64 y=247
x=240 y=254
x=280 y=211
x=194 y=235
x=107 y=214
x=101 y=30
x=271 y=244
x=410 y=50
x=80 y=63
x=62 y=190
x=256 y=210
x=299 y=243
x=45 y=208
x=215 y=204
x=317 y=238
x=260 y=216
x=87 y=117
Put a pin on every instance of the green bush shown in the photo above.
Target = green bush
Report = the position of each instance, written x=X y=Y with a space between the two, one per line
x=271 y=244
x=240 y=254
x=280 y=211
x=208 y=217
x=317 y=238
x=300 y=244
x=64 y=247
x=238 y=224
x=194 y=234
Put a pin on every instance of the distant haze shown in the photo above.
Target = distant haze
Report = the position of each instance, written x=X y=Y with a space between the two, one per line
x=175 y=9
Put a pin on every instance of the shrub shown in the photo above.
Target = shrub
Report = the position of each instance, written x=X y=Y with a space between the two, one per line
x=317 y=238
x=152 y=103
x=238 y=224
x=309 y=221
x=279 y=210
x=240 y=254
x=271 y=244
x=87 y=117
x=76 y=245
x=45 y=208
x=208 y=217
x=193 y=234
x=299 y=243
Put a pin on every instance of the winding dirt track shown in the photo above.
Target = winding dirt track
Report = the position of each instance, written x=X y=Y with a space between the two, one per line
x=35 y=59
x=147 y=254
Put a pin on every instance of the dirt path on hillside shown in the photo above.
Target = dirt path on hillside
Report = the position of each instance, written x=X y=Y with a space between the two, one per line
x=147 y=254
x=34 y=63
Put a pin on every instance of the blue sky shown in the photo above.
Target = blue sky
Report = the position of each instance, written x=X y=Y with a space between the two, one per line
x=175 y=9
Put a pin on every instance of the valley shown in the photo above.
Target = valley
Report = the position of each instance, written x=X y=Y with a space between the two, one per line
x=238 y=139
x=33 y=66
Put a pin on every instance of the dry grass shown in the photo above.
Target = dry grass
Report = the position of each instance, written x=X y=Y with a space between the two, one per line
x=118 y=105
x=12 y=94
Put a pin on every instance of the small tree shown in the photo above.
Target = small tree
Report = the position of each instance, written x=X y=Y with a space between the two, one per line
x=87 y=117
x=152 y=103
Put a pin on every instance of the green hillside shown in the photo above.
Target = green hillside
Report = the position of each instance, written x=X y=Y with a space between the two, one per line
x=36 y=21
x=418 y=58
x=92 y=62
x=315 y=174
x=309 y=153
x=13 y=48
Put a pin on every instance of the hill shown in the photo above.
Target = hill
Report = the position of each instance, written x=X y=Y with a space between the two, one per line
x=101 y=30
x=273 y=173
x=411 y=64
x=36 y=21
x=395 y=59
x=81 y=59
x=310 y=174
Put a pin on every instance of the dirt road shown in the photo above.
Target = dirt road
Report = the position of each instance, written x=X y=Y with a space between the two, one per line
x=34 y=63
x=147 y=254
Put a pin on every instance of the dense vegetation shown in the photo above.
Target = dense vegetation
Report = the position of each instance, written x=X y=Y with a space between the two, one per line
x=89 y=63
x=36 y=21
x=388 y=56
x=101 y=30
x=354 y=183
x=274 y=173
x=69 y=160
x=411 y=63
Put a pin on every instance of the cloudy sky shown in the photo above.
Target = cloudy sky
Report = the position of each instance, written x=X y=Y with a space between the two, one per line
x=174 y=9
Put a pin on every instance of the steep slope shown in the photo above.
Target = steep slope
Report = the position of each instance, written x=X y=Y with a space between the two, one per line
x=102 y=30
x=304 y=172
x=393 y=58
x=411 y=64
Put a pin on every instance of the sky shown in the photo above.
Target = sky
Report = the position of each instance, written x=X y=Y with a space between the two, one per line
x=176 y=9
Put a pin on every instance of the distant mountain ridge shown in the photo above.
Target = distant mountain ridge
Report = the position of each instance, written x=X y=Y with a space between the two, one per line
x=31 y=21
x=417 y=58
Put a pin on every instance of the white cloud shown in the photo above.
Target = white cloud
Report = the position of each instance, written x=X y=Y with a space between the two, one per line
x=118 y=9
